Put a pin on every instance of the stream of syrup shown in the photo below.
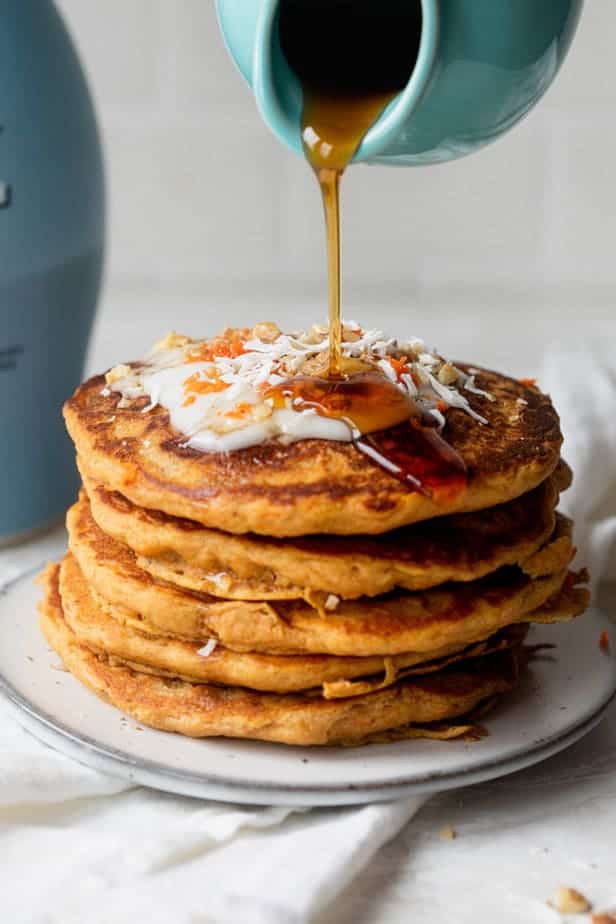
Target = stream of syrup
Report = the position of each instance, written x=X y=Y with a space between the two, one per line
x=330 y=149
x=352 y=57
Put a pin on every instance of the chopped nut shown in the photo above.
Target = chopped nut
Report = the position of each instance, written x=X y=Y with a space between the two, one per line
x=262 y=411
x=315 y=365
x=171 y=342
x=421 y=375
x=351 y=334
x=316 y=334
x=267 y=331
x=332 y=601
x=448 y=833
x=447 y=374
x=570 y=901
x=234 y=333
x=117 y=373
x=604 y=642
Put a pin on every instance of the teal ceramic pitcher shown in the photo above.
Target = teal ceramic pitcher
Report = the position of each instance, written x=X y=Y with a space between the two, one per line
x=481 y=66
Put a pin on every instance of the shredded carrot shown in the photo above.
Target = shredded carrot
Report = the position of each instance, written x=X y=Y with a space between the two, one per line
x=240 y=410
x=207 y=352
x=442 y=406
x=399 y=365
x=604 y=642
x=529 y=382
x=196 y=385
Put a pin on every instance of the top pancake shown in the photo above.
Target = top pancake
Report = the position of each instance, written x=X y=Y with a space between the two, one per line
x=311 y=486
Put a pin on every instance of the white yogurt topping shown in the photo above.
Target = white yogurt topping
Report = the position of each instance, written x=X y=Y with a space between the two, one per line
x=217 y=401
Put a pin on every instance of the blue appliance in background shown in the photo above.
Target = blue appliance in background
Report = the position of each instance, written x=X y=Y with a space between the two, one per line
x=52 y=221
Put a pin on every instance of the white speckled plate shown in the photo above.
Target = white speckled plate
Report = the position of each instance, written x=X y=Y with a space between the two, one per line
x=561 y=699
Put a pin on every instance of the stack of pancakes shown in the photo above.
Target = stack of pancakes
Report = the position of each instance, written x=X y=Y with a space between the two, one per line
x=299 y=593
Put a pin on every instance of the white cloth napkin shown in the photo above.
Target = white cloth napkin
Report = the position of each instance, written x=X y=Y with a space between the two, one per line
x=582 y=383
x=76 y=845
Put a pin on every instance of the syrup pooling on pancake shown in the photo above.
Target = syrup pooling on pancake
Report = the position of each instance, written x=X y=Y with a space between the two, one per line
x=252 y=385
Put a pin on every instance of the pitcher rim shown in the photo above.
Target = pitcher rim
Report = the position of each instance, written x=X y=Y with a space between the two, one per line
x=383 y=132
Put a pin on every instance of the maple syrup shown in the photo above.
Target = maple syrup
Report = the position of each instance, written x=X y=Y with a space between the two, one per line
x=417 y=455
x=367 y=400
x=389 y=428
x=352 y=57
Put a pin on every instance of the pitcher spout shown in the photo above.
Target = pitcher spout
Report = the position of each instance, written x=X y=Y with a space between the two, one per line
x=278 y=91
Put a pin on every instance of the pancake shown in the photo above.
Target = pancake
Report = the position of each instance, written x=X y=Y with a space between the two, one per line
x=455 y=614
x=103 y=628
x=311 y=486
x=459 y=547
x=203 y=710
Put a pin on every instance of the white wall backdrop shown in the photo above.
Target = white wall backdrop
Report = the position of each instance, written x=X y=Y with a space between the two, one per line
x=209 y=214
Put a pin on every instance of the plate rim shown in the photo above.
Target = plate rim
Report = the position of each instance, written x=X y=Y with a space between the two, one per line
x=150 y=773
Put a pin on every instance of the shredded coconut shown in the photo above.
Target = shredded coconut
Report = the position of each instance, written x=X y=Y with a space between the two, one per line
x=222 y=580
x=208 y=648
